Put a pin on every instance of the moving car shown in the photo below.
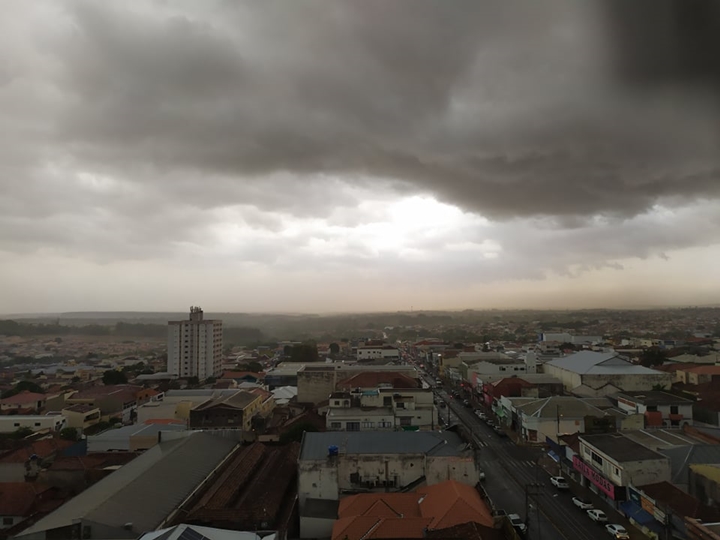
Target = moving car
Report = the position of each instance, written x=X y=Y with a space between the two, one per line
x=617 y=531
x=467 y=403
x=442 y=405
x=582 y=504
x=500 y=431
x=559 y=482
x=517 y=522
x=598 y=516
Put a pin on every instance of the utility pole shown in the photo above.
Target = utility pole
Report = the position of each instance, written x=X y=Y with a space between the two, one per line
x=533 y=490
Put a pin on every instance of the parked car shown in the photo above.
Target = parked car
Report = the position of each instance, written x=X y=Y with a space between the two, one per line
x=517 y=522
x=481 y=415
x=442 y=405
x=467 y=403
x=559 y=482
x=500 y=512
x=490 y=423
x=482 y=474
x=500 y=431
x=598 y=516
x=582 y=504
x=617 y=531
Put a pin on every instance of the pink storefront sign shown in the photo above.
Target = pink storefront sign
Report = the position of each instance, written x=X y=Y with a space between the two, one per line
x=597 y=479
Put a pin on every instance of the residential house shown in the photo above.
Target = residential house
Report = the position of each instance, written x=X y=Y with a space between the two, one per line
x=660 y=409
x=382 y=408
x=407 y=515
x=25 y=461
x=375 y=352
x=333 y=463
x=21 y=500
x=608 y=463
x=243 y=376
x=284 y=394
x=141 y=496
x=82 y=415
x=593 y=374
x=227 y=411
x=24 y=403
x=695 y=374
x=76 y=473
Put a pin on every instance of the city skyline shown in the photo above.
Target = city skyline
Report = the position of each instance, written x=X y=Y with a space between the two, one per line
x=268 y=157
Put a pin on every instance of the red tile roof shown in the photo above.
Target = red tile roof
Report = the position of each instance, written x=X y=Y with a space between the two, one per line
x=18 y=498
x=103 y=391
x=408 y=515
x=241 y=375
x=23 y=398
x=43 y=448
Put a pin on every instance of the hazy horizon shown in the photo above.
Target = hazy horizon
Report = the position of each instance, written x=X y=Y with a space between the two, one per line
x=354 y=157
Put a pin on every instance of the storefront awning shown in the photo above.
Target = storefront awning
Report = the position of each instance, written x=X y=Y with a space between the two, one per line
x=634 y=511
x=554 y=456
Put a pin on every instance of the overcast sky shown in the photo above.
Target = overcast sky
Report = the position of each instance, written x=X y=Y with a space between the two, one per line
x=367 y=155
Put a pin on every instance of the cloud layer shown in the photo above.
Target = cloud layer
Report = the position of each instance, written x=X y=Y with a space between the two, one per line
x=472 y=141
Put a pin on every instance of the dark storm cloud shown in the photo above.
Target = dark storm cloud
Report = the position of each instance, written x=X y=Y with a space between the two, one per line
x=506 y=108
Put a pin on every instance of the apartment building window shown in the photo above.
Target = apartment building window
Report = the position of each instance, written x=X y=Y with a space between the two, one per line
x=384 y=424
x=335 y=425
x=352 y=426
x=597 y=459
x=368 y=425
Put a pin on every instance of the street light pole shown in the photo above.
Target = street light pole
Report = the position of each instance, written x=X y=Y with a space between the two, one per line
x=533 y=490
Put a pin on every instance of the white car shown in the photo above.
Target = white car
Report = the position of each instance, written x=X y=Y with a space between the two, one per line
x=582 y=504
x=598 y=516
x=481 y=415
x=617 y=531
x=559 y=482
x=517 y=522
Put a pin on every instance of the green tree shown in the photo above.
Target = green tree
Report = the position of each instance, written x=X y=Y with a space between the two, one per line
x=22 y=432
x=23 y=386
x=334 y=348
x=304 y=352
x=295 y=433
x=112 y=376
x=69 y=434
x=652 y=356
x=76 y=379
x=255 y=367
x=193 y=381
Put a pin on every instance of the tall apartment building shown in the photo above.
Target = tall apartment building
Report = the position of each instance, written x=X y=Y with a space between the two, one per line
x=195 y=346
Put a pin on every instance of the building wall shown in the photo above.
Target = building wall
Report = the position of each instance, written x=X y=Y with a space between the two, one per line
x=82 y=420
x=8 y=424
x=12 y=472
x=636 y=473
x=195 y=348
x=325 y=479
x=315 y=386
x=375 y=353
x=629 y=382
x=537 y=429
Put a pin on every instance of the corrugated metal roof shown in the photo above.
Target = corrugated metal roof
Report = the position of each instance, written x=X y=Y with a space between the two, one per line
x=315 y=445
x=595 y=363
x=683 y=456
x=146 y=490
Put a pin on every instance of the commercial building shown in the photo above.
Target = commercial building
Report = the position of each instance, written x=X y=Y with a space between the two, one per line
x=234 y=410
x=593 y=374
x=609 y=463
x=660 y=409
x=195 y=346
x=380 y=352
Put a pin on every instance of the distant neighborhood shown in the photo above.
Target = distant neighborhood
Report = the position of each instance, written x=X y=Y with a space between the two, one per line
x=603 y=423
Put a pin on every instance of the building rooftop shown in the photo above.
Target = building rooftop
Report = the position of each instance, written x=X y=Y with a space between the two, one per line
x=556 y=406
x=81 y=408
x=146 y=490
x=656 y=439
x=196 y=532
x=596 y=363
x=681 y=457
x=105 y=391
x=239 y=399
x=373 y=379
x=315 y=445
x=620 y=448
x=655 y=397
x=24 y=398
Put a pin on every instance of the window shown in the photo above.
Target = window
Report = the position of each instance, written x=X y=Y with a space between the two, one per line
x=368 y=425
x=17 y=424
x=673 y=409
x=352 y=426
x=335 y=425
x=37 y=424
x=597 y=459
x=652 y=408
x=384 y=424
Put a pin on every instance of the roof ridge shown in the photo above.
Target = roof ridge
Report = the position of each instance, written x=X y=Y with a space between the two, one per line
x=372 y=528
